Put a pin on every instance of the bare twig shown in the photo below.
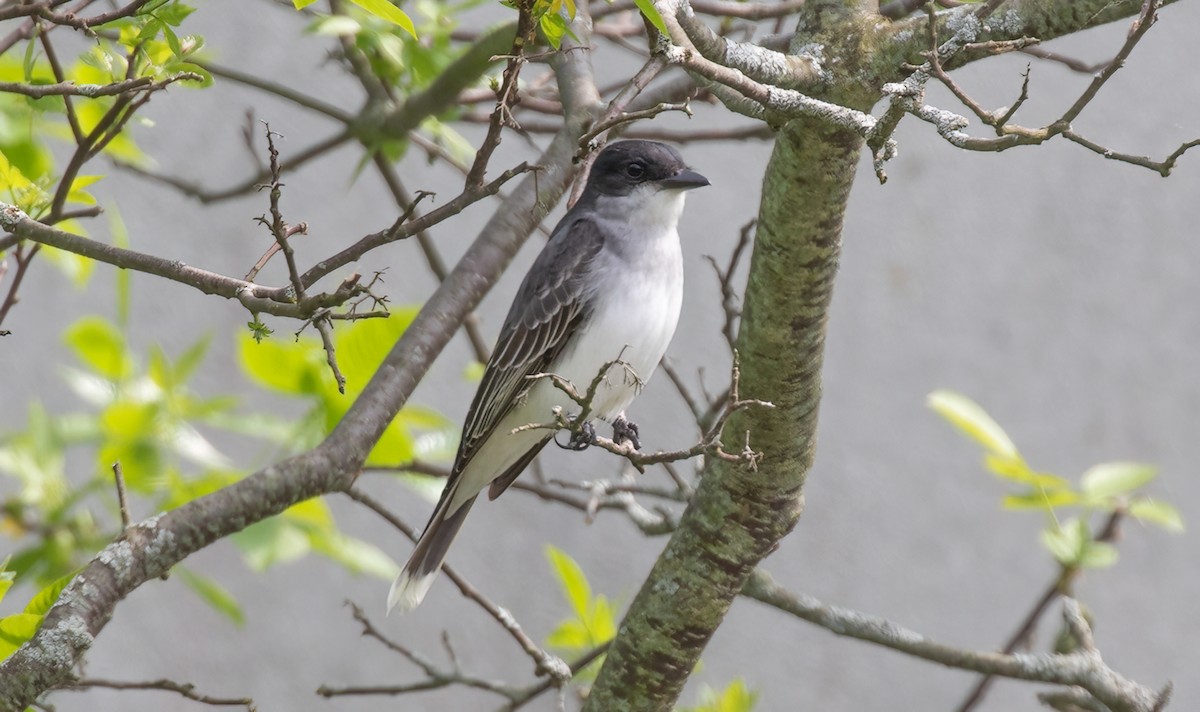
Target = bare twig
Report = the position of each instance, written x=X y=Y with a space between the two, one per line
x=710 y=442
x=1061 y=586
x=589 y=143
x=433 y=257
x=907 y=97
x=37 y=91
x=187 y=690
x=1084 y=668
x=502 y=114
x=436 y=677
x=122 y=499
x=281 y=231
x=544 y=663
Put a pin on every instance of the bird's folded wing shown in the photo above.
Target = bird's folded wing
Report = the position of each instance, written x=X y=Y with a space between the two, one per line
x=549 y=306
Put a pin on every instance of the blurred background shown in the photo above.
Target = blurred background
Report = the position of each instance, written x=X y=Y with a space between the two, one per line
x=1055 y=288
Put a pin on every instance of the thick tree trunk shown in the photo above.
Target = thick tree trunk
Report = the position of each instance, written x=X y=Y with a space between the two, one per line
x=739 y=515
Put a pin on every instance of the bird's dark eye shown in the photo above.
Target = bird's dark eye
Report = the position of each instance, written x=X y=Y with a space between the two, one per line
x=635 y=170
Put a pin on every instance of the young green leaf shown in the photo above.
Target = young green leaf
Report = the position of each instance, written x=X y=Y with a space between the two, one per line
x=736 y=697
x=41 y=603
x=1067 y=541
x=1098 y=555
x=1040 y=499
x=972 y=420
x=1015 y=469
x=356 y=555
x=212 y=593
x=1111 y=479
x=15 y=630
x=1157 y=512
x=100 y=345
x=301 y=4
x=387 y=11
x=651 y=14
x=271 y=541
x=572 y=580
x=6 y=578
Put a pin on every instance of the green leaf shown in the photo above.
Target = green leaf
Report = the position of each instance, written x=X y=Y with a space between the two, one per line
x=736 y=697
x=291 y=368
x=473 y=373
x=186 y=364
x=1068 y=541
x=1015 y=469
x=1098 y=555
x=1157 y=512
x=336 y=25
x=571 y=579
x=44 y=600
x=100 y=345
x=120 y=234
x=553 y=27
x=212 y=593
x=301 y=4
x=570 y=634
x=363 y=344
x=1116 y=478
x=15 y=630
x=356 y=555
x=1040 y=499
x=270 y=542
x=6 y=577
x=387 y=11
x=651 y=13
x=172 y=40
x=972 y=420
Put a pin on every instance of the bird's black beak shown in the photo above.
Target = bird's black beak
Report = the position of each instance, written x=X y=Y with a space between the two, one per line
x=685 y=180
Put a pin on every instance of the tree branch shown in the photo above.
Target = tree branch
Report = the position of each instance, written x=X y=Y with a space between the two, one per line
x=148 y=549
x=1083 y=669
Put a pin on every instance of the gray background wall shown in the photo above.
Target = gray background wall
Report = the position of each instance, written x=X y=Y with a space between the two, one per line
x=1055 y=288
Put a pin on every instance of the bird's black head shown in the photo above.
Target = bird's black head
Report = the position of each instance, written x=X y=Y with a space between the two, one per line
x=625 y=166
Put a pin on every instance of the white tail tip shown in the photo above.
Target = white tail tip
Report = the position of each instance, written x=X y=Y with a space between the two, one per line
x=407 y=593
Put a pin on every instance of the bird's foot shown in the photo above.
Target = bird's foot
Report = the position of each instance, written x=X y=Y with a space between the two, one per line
x=626 y=432
x=581 y=439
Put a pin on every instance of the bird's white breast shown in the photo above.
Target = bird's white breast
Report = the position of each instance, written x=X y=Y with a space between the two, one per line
x=638 y=291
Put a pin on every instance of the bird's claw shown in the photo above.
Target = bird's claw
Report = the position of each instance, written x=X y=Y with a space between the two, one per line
x=626 y=432
x=581 y=439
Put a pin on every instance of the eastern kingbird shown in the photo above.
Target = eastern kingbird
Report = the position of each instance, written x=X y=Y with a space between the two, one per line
x=607 y=286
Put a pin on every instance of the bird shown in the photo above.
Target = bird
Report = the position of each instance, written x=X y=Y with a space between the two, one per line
x=605 y=291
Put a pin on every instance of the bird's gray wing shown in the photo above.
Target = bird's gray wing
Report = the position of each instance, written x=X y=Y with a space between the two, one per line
x=550 y=304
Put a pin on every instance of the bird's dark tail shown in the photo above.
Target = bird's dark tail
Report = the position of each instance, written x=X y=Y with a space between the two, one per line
x=426 y=560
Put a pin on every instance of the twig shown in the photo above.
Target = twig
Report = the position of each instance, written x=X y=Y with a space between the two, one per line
x=254 y=297
x=1061 y=586
x=122 y=499
x=729 y=295
x=907 y=97
x=588 y=140
x=502 y=115
x=433 y=257
x=206 y=196
x=187 y=690
x=1084 y=668
x=710 y=442
x=437 y=677
x=281 y=232
x=1069 y=62
x=280 y=90
x=37 y=91
x=544 y=663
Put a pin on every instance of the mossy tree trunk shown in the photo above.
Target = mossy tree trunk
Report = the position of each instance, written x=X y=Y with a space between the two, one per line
x=740 y=514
